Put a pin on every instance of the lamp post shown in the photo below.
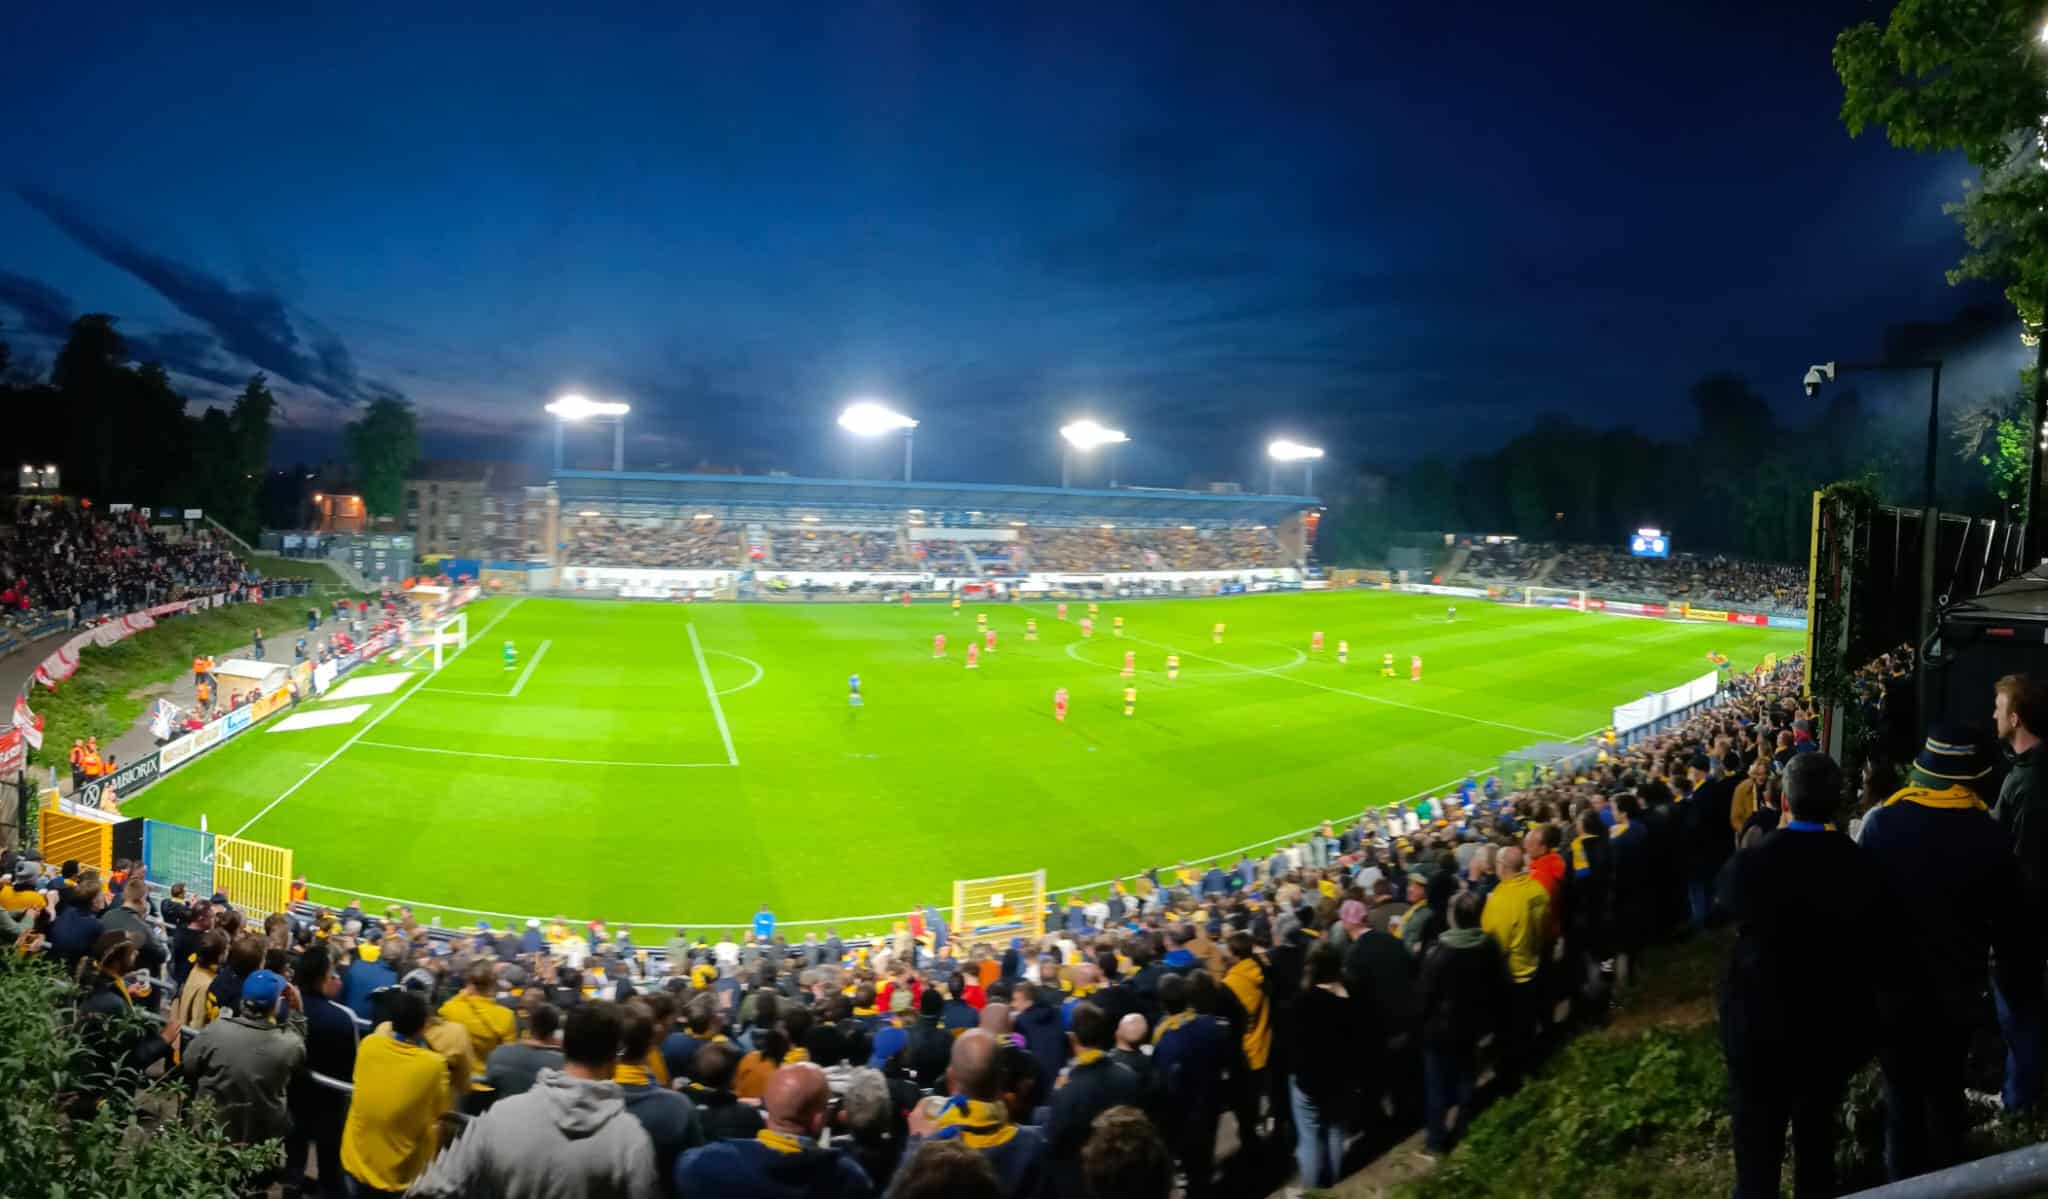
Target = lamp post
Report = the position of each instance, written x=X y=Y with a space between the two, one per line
x=579 y=408
x=1085 y=435
x=1282 y=450
x=872 y=418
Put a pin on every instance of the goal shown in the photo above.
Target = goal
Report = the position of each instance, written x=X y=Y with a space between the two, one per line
x=1554 y=597
x=1006 y=903
x=445 y=636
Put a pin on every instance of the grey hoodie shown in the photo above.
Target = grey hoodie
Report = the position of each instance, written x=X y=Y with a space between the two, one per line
x=564 y=1139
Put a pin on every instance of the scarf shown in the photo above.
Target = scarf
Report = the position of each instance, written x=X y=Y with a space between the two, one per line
x=975 y=1123
x=1953 y=798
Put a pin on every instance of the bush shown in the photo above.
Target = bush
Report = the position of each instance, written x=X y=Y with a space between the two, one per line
x=1601 y=1101
x=57 y=1140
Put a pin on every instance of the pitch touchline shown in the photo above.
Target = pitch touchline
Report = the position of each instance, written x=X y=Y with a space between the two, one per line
x=711 y=693
x=473 y=753
x=376 y=720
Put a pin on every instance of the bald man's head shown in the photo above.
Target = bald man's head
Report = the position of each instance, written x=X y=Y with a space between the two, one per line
x=1131 y=1031
x=973 y=1072
x=995 y=1019
x=795 y=1100
x=1508 y=862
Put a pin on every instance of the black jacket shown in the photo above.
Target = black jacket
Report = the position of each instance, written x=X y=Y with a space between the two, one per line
x=1088 y=1090
x=1463 y=992
x=1812 y=918
x=722 y=1116
x=1326 y=1048
x=1381 y=978
x=1044 y=1034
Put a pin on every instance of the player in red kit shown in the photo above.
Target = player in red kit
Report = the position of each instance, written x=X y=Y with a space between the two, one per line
x=1059 y=705
x=1063 y=611
x=1087 y=627
x=988 y=640
x=938 y=645
x=1415 y=669
x=1130 y=663
x=1315 y=641
x=973 y=656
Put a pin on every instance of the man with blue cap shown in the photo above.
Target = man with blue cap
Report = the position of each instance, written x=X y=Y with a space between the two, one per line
x=1935 y=840
x=245 y=1060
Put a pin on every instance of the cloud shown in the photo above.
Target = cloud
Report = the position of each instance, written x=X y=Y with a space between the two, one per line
x=251 y=325
x=42 y=308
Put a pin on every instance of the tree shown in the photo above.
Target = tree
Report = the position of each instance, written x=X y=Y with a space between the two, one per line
x=1968 y=76
x=383 y=444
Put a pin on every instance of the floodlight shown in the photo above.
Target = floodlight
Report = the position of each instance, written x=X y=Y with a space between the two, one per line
x=1284 y=450
x=872 y=418
x=576 y=407
x=1089 y=434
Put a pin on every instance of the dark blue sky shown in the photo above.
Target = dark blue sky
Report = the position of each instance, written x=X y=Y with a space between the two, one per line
x=1392 y=228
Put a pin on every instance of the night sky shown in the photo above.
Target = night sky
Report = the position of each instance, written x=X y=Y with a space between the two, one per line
x=1392 y=228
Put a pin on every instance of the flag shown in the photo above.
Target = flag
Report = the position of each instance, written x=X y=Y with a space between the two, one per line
x=30 y=724
x=43 y=677
x=160 y=718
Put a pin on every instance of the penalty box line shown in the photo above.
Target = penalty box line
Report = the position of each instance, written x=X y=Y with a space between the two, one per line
x=732 y=758
x=375 y=721
x=1377 y=699
x=517 y=686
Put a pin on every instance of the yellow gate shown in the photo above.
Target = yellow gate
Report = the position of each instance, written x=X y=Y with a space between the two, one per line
x=63 y=836
x=255 y=877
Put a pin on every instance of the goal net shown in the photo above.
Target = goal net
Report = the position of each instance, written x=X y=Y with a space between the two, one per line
x=444 y=636
x=1006 y=903
x=1554 y=597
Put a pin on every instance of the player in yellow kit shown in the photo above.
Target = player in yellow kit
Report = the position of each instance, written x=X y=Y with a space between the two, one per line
x=1094 y=609
x=1173 y=666
x=1216 y=636
x=1130 y=700
x=956 y=603
x=1343 y=651
x=981 y=620
x=1117 y=626
x=1031 y=629
x=1387 y=666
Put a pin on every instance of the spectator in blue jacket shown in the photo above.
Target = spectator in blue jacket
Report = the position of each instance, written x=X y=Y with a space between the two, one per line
x=1037 y=1014
x=318 y=1112
x=369 y=973
x=1190 y=1053
x=77 y=924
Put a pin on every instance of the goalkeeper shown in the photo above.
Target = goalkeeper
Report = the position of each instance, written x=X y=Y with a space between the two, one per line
x=511 y=656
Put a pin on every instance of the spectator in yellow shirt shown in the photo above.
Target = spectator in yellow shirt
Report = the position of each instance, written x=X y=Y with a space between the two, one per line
x=1516 y=914
x=401 y=1089
x=477 y=1010
x=1245 y=978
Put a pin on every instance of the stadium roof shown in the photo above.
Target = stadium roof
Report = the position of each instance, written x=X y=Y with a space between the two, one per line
x=888 y=495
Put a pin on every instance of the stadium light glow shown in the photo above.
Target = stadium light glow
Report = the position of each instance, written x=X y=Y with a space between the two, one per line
x=576 y=407
x=1284 y=450
x=809 y=520
x=1085 y=435
x=1649 y=532
x=705 y=516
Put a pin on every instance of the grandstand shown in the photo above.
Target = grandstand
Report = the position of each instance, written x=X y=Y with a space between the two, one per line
x=1705 y=580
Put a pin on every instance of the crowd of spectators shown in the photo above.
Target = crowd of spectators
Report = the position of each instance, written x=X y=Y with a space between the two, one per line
x=1354 y=982
x=1506 y=562
x=1702 y=580
x=804 y=548
x=655 y=544
x=1139 y=549
x=64 y=559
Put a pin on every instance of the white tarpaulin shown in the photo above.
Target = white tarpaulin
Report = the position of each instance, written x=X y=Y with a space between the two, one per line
x=1657 y=705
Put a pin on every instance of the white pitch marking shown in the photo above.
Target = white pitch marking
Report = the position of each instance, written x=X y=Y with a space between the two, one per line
x=528 y=672
x=732 y=758
x=375 y=721
x=319 y=718
x=758 y=672
x=473 y=753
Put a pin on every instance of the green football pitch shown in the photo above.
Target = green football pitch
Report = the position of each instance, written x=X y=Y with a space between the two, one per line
x=660 y=764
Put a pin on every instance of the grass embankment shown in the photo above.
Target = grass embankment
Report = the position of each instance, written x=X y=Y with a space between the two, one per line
x=114 y=685
x=1639 y=1108
x=274 y=567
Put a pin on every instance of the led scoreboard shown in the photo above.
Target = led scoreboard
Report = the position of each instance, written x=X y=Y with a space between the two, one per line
x=1649 y=543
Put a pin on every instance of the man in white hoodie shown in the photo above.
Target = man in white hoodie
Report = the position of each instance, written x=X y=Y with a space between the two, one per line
x=570 y=1137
